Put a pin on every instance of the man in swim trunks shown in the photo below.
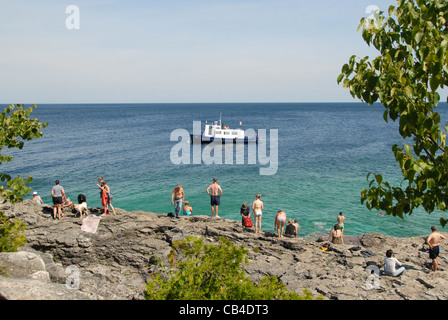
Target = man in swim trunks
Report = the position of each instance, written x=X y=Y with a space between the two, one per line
x=341 y=220
x=215 y=192
x=177 y=197
x=433 y=241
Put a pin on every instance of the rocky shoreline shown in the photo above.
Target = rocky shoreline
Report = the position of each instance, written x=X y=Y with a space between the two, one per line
x=62 y=262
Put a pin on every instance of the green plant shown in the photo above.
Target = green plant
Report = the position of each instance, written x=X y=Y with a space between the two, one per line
x=15 y=127
x=412 y=66
x=11 y=234
x=209 y=272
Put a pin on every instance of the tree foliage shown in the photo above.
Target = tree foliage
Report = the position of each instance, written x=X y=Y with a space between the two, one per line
x=16 y=126
x=209 y=272
x=12 y=234
x=411 y=67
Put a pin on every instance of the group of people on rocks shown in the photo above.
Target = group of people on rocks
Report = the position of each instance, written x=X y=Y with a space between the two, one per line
x=392 y=266
x=290 y=229
x=282 y=227
x=181 y=206
x=214 y=191
x=60 y=200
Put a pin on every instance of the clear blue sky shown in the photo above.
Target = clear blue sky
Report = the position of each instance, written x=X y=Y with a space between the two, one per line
x=179 y=50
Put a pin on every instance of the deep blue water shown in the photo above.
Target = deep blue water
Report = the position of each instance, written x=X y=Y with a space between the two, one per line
x=325 y=151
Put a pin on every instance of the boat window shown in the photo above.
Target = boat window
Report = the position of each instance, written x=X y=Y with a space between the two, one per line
x=234 y=133
x=218 y=132
x=210 y=130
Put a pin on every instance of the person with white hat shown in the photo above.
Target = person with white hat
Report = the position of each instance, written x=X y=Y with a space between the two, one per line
x=37 y=198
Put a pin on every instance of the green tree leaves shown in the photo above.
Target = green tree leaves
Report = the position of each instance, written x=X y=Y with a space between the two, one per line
x=209 y=272
x=12 y=234
x=16 y=127
x=412 y=42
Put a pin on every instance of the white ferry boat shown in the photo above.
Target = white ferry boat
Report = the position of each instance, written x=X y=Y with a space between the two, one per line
x=220 y=133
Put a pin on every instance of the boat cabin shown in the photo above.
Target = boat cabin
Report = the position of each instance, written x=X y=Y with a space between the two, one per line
x=220 y=131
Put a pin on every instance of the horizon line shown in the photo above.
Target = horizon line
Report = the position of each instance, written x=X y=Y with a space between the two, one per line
x=216 y=102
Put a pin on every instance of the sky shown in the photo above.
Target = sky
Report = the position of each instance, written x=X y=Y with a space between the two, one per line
x=179 y=51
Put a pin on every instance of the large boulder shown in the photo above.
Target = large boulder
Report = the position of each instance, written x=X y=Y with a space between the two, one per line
x=22 y=264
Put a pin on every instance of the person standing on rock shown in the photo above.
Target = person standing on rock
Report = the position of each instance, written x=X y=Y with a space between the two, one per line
x=257 y=208
x=245 y=214
x=102 y=193
x=215 y=192
x=107 y=198
x=177 y=198
x=341 y=220
x=280 y=220
x=433 y=241
x=57 y=192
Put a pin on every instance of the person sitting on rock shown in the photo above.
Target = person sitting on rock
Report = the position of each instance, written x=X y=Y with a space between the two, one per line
x=187 y=209
x=336 y=235
x=66 y=202
x=291 y=229
x=391 y=263
x=37 y=198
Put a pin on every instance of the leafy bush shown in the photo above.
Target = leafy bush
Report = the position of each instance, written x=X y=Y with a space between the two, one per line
x=209 y=272
x=11 y=234
x=16 y=127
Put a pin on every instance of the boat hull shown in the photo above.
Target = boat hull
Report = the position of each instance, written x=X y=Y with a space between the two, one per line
x=204 y=139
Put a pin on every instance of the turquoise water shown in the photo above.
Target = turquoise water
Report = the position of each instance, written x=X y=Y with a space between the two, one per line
x=325 y=151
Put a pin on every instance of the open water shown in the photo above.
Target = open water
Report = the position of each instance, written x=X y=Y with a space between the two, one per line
x=325 y=151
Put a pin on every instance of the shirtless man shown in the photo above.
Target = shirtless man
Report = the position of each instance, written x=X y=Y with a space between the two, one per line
x=433 y=241
x=341 y=220
x=177 y=197
x=215 y=195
